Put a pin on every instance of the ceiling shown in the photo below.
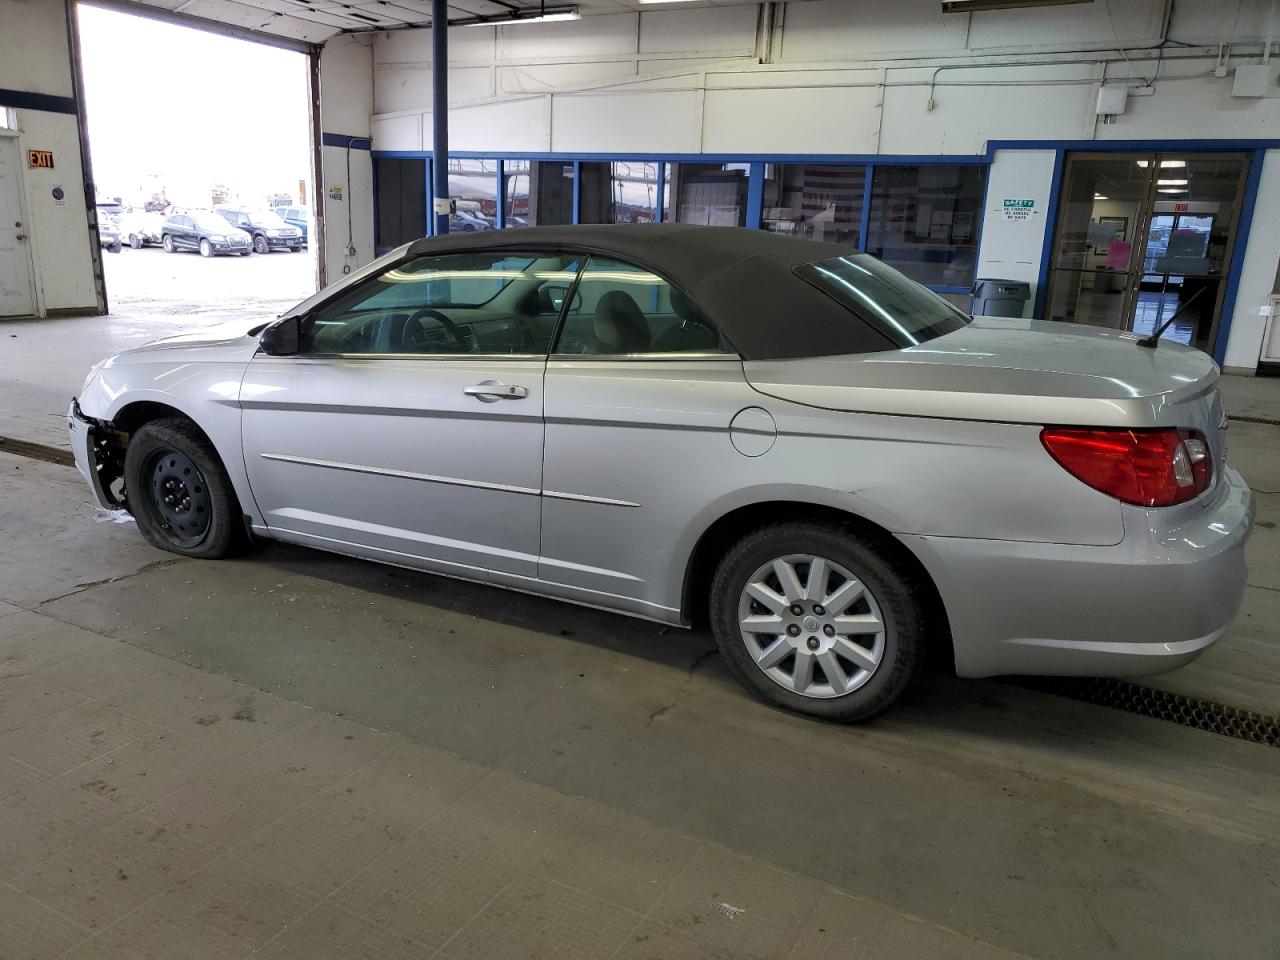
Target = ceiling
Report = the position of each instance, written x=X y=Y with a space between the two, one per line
x=313 y=21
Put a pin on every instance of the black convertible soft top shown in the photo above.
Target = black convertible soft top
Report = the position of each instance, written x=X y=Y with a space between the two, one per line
x=741 y=279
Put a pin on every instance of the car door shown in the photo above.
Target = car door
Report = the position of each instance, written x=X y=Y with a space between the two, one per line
x=640 y=394
x=409 y=425
x=189 y=238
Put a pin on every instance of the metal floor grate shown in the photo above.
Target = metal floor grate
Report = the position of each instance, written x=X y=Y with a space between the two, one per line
x=37 y=451
x=1163 y=705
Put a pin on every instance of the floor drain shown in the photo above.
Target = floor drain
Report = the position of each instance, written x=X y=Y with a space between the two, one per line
x=1163 y=705
x=37 y=451
x=1267 y=420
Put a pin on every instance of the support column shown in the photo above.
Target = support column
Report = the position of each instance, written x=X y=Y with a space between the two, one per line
x=440 y=113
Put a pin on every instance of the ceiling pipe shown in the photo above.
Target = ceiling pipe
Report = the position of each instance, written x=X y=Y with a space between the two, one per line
x=442 y=204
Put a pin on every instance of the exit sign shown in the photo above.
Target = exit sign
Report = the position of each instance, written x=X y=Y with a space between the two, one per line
x=42 y=159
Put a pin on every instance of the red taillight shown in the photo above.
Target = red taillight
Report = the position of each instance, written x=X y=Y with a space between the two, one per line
x=1150 y=468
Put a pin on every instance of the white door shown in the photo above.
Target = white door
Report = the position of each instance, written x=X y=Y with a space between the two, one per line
x=15 y=273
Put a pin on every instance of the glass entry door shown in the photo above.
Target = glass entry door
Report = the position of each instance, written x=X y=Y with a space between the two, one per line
x=1141 y=235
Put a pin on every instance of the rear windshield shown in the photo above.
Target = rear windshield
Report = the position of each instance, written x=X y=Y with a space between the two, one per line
x=901 y=310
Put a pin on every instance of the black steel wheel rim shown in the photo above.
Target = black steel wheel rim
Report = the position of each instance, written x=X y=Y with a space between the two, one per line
x=180 y=495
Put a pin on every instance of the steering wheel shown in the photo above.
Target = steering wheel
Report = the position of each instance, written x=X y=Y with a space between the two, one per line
x=466 y=342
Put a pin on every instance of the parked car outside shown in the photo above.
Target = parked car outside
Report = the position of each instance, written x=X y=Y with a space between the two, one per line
x=788 y=439
x=108 y=233
x=207 y=232
x=268 y=230
x=141 y=229
x=298 y=218
x=465 y=221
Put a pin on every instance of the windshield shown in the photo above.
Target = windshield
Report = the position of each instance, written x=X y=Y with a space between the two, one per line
x=211 y=221
x=267 y=218
x=901 y=310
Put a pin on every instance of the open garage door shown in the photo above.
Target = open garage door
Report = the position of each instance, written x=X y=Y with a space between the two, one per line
x=202 y=155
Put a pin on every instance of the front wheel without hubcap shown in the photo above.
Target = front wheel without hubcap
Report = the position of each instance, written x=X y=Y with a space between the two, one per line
x=815 y=619
x=179 y=491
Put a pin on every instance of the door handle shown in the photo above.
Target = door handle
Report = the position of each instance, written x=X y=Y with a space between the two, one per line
x=490 y=391
x=19 y=236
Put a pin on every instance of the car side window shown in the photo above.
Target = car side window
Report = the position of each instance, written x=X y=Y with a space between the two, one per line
x=619 y=308
x=463 y=303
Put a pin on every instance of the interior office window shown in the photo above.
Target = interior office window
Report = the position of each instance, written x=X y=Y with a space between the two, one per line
x=537 y=193
x=472 y=303
x=711 y=194
x=624 y=191
x=924 y=221
x=473 y=184
x=814 y=201
x=402 y=201
x=619 y=308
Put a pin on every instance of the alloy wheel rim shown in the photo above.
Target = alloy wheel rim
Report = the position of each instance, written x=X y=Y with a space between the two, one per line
x=811 y=626
x=181 y=496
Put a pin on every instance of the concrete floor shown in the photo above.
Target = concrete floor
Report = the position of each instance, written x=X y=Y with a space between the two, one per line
x=294 y=754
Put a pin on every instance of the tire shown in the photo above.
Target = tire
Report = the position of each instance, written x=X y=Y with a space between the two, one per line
x=244 y=253
x=171 y=456
x=135 y=241
x=206 y=248
x=116 y=247
x=295 y=249
x=870 y=681
x=167 y=243
x=260 y=244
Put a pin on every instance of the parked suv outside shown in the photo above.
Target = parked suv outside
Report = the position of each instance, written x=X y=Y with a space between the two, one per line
x=204 y=231
x=268 y=230
x=295 y=217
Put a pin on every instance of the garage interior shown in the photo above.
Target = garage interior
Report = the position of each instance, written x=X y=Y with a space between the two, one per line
x=293 y=754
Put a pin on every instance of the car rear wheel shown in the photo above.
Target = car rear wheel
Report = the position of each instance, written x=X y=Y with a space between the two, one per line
x=167 y=243
x=260 y=244
x=814 y=618
x=178 y=491
x=206 y=248
x=135 y=241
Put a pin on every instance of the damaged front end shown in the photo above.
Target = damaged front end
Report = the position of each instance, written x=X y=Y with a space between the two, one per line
x=99 y=451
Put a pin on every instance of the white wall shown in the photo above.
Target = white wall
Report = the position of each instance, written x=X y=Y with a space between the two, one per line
x=345 y=180
x=1258 y=275
x=1010 y=249
x=34 y=58
x=872 y=77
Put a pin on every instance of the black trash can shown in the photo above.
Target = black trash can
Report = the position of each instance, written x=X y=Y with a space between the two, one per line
x=998 y=298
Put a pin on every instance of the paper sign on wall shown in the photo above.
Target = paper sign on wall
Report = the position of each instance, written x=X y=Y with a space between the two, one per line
x=1018 y=211
x=335 y=193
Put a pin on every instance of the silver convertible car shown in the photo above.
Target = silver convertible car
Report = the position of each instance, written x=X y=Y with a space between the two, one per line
x=834 y=467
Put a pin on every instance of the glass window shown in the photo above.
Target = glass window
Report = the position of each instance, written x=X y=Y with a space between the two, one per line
x=814 y=201
x=402 y=201
x=903 y=312
x=711 y=194
x=619 y=308
x=466 y=303
x=473 y=184
x=625 y=191
x=924 y=221
x=538 y=193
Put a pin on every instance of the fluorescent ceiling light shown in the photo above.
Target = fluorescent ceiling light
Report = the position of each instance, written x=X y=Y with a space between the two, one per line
x=532 y=15
x=1098 y=196
x=1172 y=190
x=1165 y=164
x=667 y=1
x=969 y=6
x=1172 y=183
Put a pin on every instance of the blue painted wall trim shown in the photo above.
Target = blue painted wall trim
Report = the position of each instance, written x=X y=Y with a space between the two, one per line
x=755 y=195
x=932 y=159
x=1253 y=178
x=361 y=143
x=1050 y=224
x=25 y=100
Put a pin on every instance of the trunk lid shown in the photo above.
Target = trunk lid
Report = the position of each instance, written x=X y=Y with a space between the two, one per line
x=1012 y=371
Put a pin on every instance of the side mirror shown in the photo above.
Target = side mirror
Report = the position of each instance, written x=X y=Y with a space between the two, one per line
x=281 y=339
x=551 y=297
